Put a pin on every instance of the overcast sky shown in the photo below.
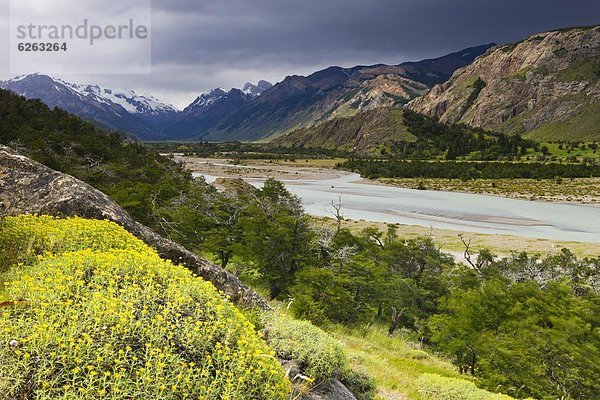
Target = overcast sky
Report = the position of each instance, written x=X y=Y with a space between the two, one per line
x=198 y=45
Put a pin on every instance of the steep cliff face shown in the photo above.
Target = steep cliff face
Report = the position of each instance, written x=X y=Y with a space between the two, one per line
x=546 y=86
x=28 y=187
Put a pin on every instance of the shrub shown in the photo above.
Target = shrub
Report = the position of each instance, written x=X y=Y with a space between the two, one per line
x=124 y=324
x=25 y=237
x=321 y=356
x=359 y=383
x=437 y=387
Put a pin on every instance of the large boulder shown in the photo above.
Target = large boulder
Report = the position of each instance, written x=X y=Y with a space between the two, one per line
x=28 y=187
x=334 y=390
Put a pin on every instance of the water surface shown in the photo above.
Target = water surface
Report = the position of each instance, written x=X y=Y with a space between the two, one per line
x=444 y=210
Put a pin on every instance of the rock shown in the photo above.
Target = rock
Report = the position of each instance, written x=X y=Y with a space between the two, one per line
x=28 y=187
x=334 y=390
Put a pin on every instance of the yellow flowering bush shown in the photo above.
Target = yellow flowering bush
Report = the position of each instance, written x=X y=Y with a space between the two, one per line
x=24 y=237
x=123 y=324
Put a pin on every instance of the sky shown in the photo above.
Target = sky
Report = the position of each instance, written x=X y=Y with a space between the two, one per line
x=198 y=45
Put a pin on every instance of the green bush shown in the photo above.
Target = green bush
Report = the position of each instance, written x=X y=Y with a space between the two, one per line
x=124 y=324
x=321 y=356
x=360 y=384
x=437 y=387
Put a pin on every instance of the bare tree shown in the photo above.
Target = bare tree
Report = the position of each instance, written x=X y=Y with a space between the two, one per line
x=467 y=253
x=337 y=208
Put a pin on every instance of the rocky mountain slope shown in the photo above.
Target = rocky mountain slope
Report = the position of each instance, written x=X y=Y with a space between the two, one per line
x=302 y=101
x=206 y=111
x=546 y=86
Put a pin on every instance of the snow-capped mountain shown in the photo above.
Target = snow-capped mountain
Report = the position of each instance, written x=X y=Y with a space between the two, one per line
x=142 y=115
x=206 y=99
x=250 y=90
x=258 y=89
x=129 y=100
x=208 y=110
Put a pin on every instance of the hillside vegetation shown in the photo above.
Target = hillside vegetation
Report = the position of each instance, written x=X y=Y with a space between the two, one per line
x=396 y=133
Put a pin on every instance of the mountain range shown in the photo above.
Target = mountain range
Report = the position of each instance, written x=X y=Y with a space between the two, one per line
x=123 y=110
x=545 y=87
x=254 y=112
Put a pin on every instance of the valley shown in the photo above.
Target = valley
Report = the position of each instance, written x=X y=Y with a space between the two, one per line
x=364 y=200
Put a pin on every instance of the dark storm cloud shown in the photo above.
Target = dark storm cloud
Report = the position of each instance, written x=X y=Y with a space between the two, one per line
x=201 y=44
x=329 y=31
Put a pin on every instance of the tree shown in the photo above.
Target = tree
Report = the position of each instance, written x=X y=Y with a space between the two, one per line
x=276 y=236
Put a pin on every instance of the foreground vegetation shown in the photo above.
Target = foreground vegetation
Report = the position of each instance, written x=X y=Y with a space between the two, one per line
x=396 y=362
x=118 y=318
x=98 y=314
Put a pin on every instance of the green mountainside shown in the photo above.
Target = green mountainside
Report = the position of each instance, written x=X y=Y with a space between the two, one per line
x=404 y=134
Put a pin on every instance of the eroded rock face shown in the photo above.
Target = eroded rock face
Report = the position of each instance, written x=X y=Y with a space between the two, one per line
x=547 y=85
x=28 y=187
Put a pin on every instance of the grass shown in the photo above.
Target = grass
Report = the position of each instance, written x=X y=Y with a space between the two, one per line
x=522 y=73
x=579 y=153
x=584 y=70
x=449 y=240
x=394 y=362
x=585 y=125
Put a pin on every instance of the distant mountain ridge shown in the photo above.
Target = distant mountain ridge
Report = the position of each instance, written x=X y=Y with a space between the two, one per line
x=208 y=109
x=546 y=87
x=124 y=110
x=255 y=112
x=303 y=101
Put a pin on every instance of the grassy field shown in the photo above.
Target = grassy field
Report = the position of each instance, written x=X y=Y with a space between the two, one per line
x=393 y=361
x=449 y=240
x=580 y=151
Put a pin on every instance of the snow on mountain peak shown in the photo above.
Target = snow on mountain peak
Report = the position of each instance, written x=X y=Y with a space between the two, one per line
x=258 y=89
x=128 y=99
